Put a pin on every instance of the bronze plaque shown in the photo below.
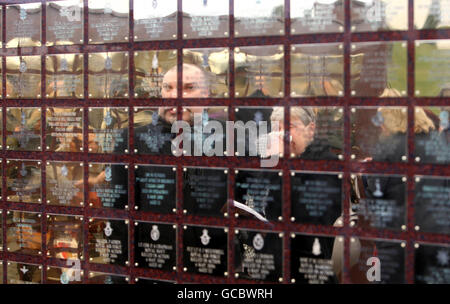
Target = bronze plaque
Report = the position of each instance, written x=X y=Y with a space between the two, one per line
x=23 y=181
x=64 y=22
x=317 y=16
x=432 y=68
x=259 y=71
x=258 y=18
x=379 y=134
x=23 y=77
x=317 y=69
x=205 y=73
x=108 y=21
x=64 y=183
x=23 y=25
x=205 y=19
x=108 y=130
x=23 y=129
x=155 y=20
x=379 y=15
x=108 y=75
x=65 y=236
x=150 y=69
x=379 y=69
x=24 y=232
x=21 y=273
x=431 y=14
x=64 y=129
x=60 y=275
x=107 y=278
x=108 y=186
x=64 y=78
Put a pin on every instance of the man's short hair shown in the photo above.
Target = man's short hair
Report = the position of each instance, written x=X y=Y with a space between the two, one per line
x=191 y=67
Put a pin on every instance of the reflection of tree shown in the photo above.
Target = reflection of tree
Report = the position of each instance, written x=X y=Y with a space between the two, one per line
x=434 y=15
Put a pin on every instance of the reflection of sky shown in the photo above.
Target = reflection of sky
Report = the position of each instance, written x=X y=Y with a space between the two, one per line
x=68 y=3
x=298 y=6
x=213 y=7
x=255 y=8
x=144 y=8
x=118 y=6
x=30 y=5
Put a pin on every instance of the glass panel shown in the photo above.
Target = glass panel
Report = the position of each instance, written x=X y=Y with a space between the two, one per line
x=258 y=18
x=317 y=16
x=108 y=21
x=64 y=78
x=431 y=264
x=59 y=275
x=24 y=232
x=64 y=22
x=379 y=15
x=155 y=20
x=23 y=77
x=64 y=129
x=21 y=273
x=431 y=14
x=65 y=183
x=23 y=25
x=23 y=181
x=105 y=278
x=65 y=237
x=23 y=129
x=205 y=19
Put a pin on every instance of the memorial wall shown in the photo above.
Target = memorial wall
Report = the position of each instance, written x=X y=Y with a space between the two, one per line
x=216 y=141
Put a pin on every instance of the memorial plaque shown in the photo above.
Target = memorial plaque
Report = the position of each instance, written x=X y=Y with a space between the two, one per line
x=316 y=198
x=205 y=73
x=106 y=278
x=23 y=76
x=108 y=75
x=155 y=20
x=148 y=281
x=260 y=132
x=432 y=68
x=317 y=16
x=379 y=134
x=155 y=188
x=23 y=129
x=205 y=250
x=108 y=130
x=379 y=69
x=379 y=15
x=258 y=18
x=150 y=70
x=317 y=69
x=261 y=192
x=23 y=181
x=258 y=255
x=259 y=71
x=155 y=245
x=23 y=232
x=431 y=14
x=64 y=22
x=432 y=135
x=23 y=273
x=1 y=238
x=65 y=183
x=65 y=237
x=431 y=264
x=153 y=130
x=59 y=275
x=205 y=191
x=64 y=78
x=317 y=133
x=23 y=25
x=205 y=19
x=1 y=45
x=64 y=129
x=312 y=259
x=369 y=257
x=108 y=21
x=383 y=203
x=432 y=204
x=108 y=186
x=1 y=128
x=108 y=241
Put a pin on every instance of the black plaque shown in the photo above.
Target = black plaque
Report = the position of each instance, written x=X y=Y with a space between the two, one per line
x=258 y=255
x=24 y=232
x=390 y=257
x=60 y=275
x=383 y=204
x=65 y=236
x=108 y=186
x=106 y=278
x=23 y=273
x=155 y=245
x=432 y=204
x=316 y=198
x=205 y=250
x=148 y=281
x=311 y=260
x=205 y=191
x=155 y=188
x=108 y=241
x=431 y=264
x=260 y=191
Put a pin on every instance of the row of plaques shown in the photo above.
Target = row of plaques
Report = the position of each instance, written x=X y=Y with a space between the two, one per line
x=315 y=198
x=316 y=133
x=377 y=69
x=108 y=21
x=258 y=254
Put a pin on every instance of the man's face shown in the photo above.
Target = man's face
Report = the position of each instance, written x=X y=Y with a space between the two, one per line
x=301 y=135
x=194 y=83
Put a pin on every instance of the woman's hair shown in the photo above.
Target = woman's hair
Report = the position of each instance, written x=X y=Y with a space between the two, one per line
x=305 y=114
x=396 y=120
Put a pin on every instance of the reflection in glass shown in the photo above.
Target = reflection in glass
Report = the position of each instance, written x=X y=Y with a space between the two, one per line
x=64 y=22
x=108 y=21
x=259 y=71
x=258 y=18
x=23 y=129
x=64 y=129
x=21 y=273
x=23 y=233
x=65 y=237
x=64 y=78
x=317 y=16
x=23 y=77
x=379 y=15
x=205 y=19
x=64 y=183
x=106 y=278
x=59 y=275
x=155 y=20
x=108 y=186
x=431 y=264
x=23 y=181
x=23 y=25
x=431 y=14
